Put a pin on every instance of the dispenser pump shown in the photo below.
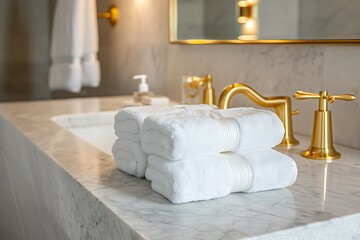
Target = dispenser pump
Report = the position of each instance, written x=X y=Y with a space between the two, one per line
x=143 y=86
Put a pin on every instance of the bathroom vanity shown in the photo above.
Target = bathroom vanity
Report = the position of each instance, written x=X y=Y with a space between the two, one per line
x=55 y=185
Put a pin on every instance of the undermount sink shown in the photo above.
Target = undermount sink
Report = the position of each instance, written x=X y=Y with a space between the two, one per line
x=95 y=128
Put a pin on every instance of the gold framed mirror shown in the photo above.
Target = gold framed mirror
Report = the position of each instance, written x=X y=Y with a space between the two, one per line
x=264 y=21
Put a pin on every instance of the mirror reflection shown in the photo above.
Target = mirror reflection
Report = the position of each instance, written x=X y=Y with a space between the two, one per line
x=265 y=19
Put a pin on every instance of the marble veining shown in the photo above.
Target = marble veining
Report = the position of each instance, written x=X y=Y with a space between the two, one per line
x=79 y=189
x=76 y=120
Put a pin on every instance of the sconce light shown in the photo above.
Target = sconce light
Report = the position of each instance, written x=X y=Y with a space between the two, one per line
x=112 y=15
x=248 y=14
x=245 y=10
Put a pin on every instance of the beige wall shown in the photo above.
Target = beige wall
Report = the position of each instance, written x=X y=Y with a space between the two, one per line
x=24 y=43
x=139 y=44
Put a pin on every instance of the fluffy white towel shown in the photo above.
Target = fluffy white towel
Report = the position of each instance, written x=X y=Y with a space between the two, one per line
x=218 y=175
x=128 y=121
x=127 y=151
x=129 y=157
x=74 y=46
x=198 y=133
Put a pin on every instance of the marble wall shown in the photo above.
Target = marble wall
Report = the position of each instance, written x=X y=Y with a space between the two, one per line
x=23 y=214
x=139 y=44
x=273 y=25
x=191 y=19
x=332 y=21
x=41 y=199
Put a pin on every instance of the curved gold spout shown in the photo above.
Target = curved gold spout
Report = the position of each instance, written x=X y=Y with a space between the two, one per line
x=281 y=104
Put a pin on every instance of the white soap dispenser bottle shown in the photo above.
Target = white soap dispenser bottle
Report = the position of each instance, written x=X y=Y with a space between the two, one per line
x=143 y=88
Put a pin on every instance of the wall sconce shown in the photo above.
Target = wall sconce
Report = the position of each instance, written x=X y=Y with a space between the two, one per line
x=245 y=10
x=248 y=14
x=112 y=15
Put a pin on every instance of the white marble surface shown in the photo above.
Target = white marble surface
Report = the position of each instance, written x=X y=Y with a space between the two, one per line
x=67 y=184
x=95 y=128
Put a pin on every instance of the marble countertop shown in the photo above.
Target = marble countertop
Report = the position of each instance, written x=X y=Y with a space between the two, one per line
x=324 y=203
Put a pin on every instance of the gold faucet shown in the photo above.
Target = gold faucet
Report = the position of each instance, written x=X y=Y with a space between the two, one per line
x=322 y=147
x=209 y=92
x=282 y=105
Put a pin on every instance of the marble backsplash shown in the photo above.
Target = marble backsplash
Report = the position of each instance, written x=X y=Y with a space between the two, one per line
x=139 y=44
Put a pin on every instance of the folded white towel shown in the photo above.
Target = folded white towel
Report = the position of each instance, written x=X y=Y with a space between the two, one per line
x=74 y=46
x=216 y=176
x=129 y=157
x=198 y=133
x=127 y=151
x=128 y=121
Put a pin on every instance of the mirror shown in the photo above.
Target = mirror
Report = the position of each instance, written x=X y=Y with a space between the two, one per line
x=264 y=21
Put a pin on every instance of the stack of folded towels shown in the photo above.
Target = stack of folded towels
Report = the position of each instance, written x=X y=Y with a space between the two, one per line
x=192 y=153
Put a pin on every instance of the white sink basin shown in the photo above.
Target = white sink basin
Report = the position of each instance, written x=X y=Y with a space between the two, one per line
x=95 y=128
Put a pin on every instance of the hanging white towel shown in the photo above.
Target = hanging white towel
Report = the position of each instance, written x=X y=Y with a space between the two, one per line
x=218 y=175
x=74 y=46
x=91 y=65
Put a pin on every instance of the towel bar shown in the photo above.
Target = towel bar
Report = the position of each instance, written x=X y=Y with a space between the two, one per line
x=112 y=14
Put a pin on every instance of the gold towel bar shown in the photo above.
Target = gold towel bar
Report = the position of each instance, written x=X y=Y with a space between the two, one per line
x=112 y=14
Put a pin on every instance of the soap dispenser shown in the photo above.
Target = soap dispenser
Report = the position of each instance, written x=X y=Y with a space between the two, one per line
x=321 y=147
x=143 y=89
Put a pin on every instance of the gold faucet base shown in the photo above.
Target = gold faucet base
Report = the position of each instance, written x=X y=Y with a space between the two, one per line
x=322 y=147
x=321 y=153
x=288 y=143
x=193 y=82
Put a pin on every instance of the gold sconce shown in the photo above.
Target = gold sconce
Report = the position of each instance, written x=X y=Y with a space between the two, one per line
x=245 y=11
x=112 y=15
x=248 y=13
